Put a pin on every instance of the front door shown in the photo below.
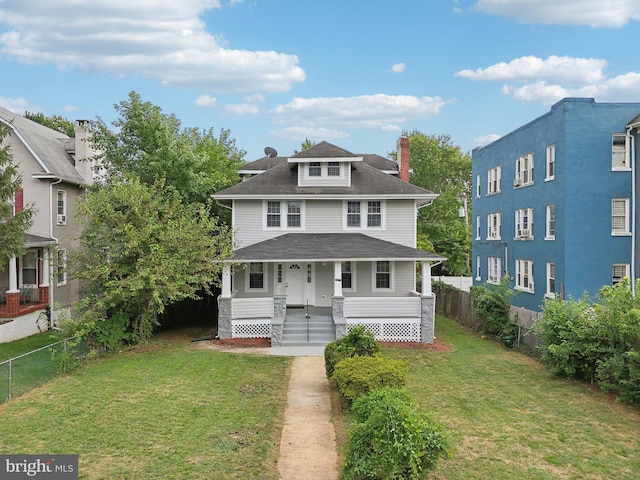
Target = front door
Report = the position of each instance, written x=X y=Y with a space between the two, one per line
x=295 y=281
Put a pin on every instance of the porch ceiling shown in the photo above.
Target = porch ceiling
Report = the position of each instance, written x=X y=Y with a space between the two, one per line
x=37 y=241
x=329 y=247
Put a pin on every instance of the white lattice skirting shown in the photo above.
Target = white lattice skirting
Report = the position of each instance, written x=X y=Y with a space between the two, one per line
x=251 y=328
x=390 y=331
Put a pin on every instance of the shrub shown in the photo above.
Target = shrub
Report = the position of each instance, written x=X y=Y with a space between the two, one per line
x=357 y=376
x=492 y=303
x=359 y=341
x=392 y=439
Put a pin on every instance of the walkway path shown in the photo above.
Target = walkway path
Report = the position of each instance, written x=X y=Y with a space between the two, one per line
x=308 y=442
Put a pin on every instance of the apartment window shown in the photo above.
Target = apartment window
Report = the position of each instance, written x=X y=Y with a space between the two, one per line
x=620 y=216
x=494 y=270
x=353 y=214
x=294 y=214
x=524 y=275
x=493 y=181
x=61 y=268
x=524 y=171
x=256 y=275
x=478 y=269
x=551 y=162
x=383 y=275
x=273 y=214
x=551 y=223
x=551 y=280
x=619 y=152
x=478 y=227
x=315 y=169
x=62 y=207
x=333 y=169
x=374 y=214
x=524 y=223
x=619 y=271
x=478 y=186
x=347 y=275
x=493 y=226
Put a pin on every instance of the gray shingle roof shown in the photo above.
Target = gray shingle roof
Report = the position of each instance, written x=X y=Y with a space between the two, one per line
x=634 y=121
x=283 y=180
x=49 y=146
x=324 y=150
x=329 y=247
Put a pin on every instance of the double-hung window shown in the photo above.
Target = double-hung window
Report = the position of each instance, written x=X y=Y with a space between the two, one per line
x=333 y=169
x=62 y=207
x=347 y=275
x=551 y=280
x=315 y=169
x=364 y=214
x=494 y=270
x=374 y=214
x=524 y=171
x=478 y=227
x=551 y=163
x=285 y=214
x=256 y=276
x=524 y=275
x=619 y=152
x=353 y=214
x=273 y=214
x=551 y=223
x=478 y=268
x=494 y=176
x=493 y=226
x=620 y=216
x=382 y=276
x=478 y=186
x=524 y=223
x=619 y=271
x=294 y=214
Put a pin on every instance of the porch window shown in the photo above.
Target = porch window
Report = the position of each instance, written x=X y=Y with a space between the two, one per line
x=256 y=275
x=353 y=214
x=347 y=275
x=61 y=268
x=374 y=214
x=30 y=268
x=315 y=169
x=273 y=214
x=383 y=275
x=62 y=207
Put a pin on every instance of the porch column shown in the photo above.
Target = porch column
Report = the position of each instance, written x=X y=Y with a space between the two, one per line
x=426 y=278
x=337 y=279
x=13 y=276
x=43 y=287
x=226 y=281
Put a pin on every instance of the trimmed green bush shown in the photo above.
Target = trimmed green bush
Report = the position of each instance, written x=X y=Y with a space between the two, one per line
x=392 y=439
x=359 y=341
x=358 y=376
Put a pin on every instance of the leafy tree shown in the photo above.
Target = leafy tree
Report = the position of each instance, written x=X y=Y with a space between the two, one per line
x=306 y=145
x=55 y=122
x=151 y=145
x=142 y=249
x=439 y=166
x=13 y=225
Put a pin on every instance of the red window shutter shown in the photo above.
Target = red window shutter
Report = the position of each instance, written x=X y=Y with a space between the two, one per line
x=19 y=200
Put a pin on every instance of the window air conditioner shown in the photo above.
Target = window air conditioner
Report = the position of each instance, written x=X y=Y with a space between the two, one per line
x=62 y=219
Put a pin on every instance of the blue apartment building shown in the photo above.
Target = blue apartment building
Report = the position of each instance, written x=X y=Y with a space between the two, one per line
x=554 y=202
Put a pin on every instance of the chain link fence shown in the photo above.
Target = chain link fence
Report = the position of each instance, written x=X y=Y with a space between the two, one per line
x=30 y=370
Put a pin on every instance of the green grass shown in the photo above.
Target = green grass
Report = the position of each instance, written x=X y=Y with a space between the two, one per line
x=511 y=420
x=166 y=411
x=18 y=347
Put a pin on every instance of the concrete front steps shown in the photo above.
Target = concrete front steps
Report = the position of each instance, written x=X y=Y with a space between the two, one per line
x=298 y=330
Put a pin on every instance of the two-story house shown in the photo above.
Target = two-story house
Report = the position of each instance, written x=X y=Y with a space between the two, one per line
x=53 y=176
x=326 y=236
x=554 y=203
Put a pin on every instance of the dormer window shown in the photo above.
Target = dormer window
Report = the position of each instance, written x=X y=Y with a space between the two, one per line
x=315 y=169
x=333 y=169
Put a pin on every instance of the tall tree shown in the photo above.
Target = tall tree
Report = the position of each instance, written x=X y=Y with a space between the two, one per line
x=54 y=122
x=306 y=145
x=15 y=218
x=154 y=147
x=439 y=166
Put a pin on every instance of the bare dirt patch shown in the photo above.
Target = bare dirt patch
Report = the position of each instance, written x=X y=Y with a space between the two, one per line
x=436 y=346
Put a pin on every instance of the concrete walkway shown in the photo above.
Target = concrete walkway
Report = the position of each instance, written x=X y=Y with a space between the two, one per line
x=308 y=441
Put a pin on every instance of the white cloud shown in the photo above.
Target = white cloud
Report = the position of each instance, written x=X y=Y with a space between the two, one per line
x=391 y=128
x=161 y=39
x=255 y=98
x=595 y=13
x=205 y=101
x=18 y=105
x=70 y=108
x=561 y=69
x=302 y=133
x=485 y=139
x=398 y=68
x=242 y=109
x=377 y=110
x=532 y=79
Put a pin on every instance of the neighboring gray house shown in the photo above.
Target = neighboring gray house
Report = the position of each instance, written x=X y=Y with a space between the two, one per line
x=326 y=239
x=53 y=178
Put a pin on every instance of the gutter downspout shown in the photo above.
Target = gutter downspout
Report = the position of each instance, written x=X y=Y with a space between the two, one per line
x=633 y=208
x=51 y=311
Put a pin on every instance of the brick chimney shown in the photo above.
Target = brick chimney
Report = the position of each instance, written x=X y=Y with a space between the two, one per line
x=83 y=151
x=403 y=158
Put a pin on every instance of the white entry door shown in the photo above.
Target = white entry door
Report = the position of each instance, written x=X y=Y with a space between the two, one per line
x=295 y=281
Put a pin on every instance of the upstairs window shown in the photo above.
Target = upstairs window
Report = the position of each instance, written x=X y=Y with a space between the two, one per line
x=315 y=169
x=524 y=224
x=273 y=214
x=620 y=216
x=524 y=275
x=281 y=214
x=551 y=280
x=62 y=207
x=294 y=214
x=353 y=214
x=364 y=214
x=478 y=186
x=619 y=152
x=494 y=270
x=374 y=214
x=333 y=169
x=494 y=180
x=524 y=171
x=551 y=223
x=551 y=162
x=478 y=227
x=494 y=221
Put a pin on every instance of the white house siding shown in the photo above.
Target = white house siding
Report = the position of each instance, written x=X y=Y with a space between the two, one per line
x=324 y=284
x=403 y=280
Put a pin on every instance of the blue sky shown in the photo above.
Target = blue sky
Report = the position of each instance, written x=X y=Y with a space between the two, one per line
x=353 y=73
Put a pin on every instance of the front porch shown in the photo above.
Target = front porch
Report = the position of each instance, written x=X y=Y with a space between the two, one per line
x=23 y=301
